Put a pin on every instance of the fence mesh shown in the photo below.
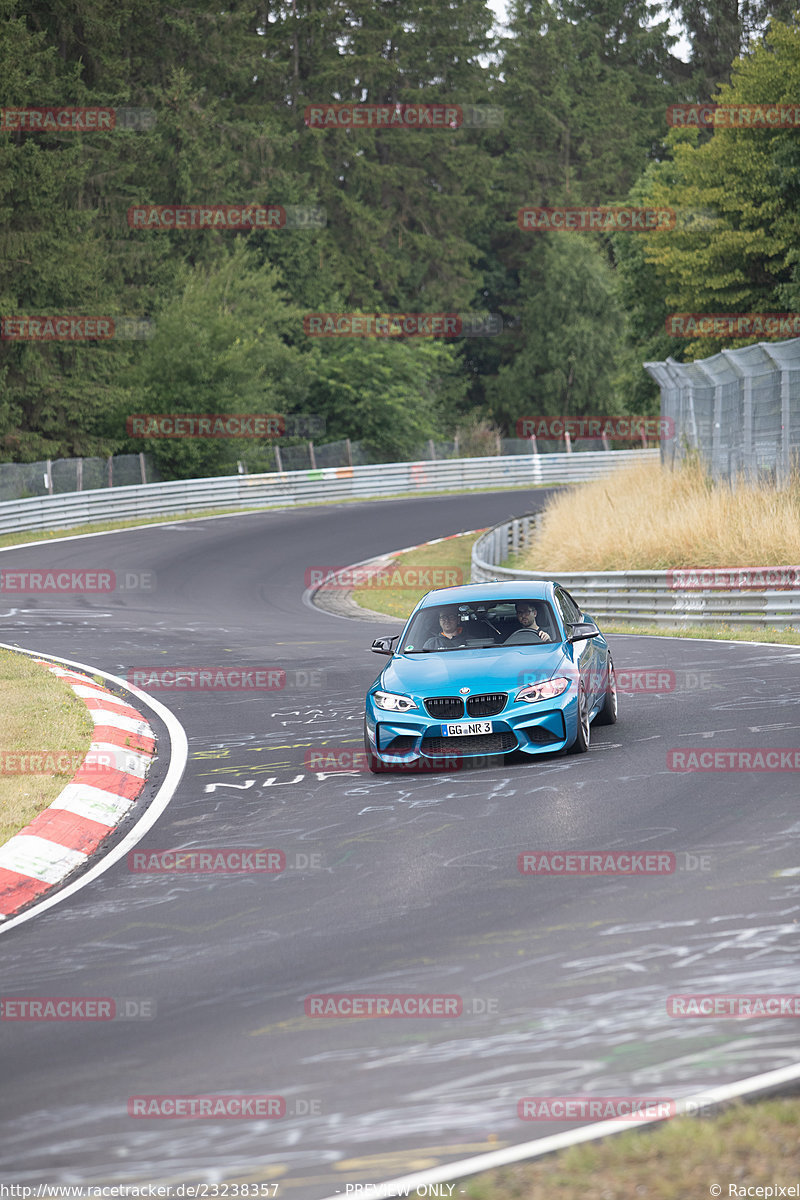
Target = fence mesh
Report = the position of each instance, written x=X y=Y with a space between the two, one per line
x=20 y=480
x=739 y=409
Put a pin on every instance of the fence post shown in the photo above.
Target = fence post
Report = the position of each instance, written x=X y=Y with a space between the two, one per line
x=142 y=466
x=79 y=476
x=110 y=470
x=568 y=441
x=431 y=450
x=786 y=458
x=278 y=458
x=49 y=477
x=349 y=452
x=312 y=456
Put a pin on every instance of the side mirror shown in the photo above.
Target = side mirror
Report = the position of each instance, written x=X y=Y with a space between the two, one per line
x=383 y=645
x=581 y=630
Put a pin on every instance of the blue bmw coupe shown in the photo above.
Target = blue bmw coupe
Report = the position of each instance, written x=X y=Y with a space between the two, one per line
x=485 y=670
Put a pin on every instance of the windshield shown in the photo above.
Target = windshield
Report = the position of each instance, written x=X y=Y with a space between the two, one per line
x=450 y=627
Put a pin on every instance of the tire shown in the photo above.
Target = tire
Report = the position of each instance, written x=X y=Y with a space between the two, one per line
x=608 y=713
x=584 y=735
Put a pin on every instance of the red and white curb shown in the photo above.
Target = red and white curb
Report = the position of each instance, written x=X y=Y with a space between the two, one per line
x=100 y=795
x=61 y=838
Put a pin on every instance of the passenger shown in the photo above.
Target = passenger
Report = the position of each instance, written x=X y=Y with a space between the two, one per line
x=452 y=632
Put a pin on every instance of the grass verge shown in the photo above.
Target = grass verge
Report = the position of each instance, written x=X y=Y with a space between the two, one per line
x=40 y=716
x=745 y=1146
x=450 y=556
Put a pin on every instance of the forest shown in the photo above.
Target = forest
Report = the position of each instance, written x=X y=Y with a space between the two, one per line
x=317 y=209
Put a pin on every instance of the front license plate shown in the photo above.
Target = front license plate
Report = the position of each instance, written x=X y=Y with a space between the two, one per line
x=466 y=728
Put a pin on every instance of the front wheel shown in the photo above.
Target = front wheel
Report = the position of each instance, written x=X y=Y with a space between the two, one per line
x=584 y=734
x=608 y=713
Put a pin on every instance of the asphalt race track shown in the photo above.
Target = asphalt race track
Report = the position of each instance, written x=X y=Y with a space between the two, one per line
x=391 y=886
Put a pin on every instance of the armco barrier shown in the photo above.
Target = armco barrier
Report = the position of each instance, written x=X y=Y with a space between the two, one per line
x=636 y=596
x=309 y=487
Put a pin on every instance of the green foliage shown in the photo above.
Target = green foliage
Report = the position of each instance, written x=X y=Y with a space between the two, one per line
x=416 y=221
x=736 y=197
x=387 y=393
x=223 y=343
x=572 y=330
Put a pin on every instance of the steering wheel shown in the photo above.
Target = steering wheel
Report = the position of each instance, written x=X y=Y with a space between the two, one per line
x=525 y=637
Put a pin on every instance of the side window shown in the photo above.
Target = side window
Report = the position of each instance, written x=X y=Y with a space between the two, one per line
x=569 y=609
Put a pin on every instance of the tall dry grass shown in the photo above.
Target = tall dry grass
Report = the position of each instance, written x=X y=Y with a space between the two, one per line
x=650 y=518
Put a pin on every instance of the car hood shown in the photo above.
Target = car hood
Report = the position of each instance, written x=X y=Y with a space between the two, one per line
x=489 y=670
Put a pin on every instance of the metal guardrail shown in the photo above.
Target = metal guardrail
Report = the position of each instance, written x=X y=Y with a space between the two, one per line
x=309 y=487
x=636 y=596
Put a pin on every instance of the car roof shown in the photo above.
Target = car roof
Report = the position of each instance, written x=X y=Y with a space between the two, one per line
x=510 y=589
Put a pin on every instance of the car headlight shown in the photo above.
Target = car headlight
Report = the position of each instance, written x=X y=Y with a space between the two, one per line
x=548 y=689
x=393 y=702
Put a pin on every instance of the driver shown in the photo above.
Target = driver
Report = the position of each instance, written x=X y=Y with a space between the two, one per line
x=452 y=632
x=528 y=619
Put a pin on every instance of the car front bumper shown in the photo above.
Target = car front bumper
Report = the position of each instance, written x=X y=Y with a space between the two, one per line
x=544 y=728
